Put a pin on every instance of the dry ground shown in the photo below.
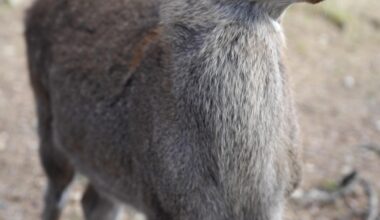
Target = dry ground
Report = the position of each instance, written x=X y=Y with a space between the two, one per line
x=333 y=58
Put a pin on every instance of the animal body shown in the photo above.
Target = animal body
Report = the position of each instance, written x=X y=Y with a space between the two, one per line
x=179 y=108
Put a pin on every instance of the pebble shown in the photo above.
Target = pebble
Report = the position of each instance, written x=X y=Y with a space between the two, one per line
x=3 y=140
x=298 y=194
x=349 y=82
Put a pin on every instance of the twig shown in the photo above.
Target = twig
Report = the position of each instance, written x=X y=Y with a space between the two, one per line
x=323 y=197
x=346 y=187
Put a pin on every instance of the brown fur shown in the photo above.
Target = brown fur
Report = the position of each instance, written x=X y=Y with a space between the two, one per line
x=139 y=51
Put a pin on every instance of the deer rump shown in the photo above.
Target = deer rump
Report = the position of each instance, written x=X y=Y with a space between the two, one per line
x=186 y=115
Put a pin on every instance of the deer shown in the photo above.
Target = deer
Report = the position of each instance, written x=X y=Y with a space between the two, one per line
x=181 y=109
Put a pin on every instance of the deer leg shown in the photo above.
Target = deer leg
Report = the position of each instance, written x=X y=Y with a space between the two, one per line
x=57 y=168
x=60 y=174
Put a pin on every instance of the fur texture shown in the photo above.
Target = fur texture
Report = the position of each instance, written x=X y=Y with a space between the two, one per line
x=178 y=108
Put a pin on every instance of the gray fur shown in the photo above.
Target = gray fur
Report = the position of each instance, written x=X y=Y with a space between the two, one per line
x=178 y=108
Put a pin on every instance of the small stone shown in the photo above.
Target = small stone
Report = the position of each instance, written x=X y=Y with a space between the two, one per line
x=349 y=82
x=3 y=141
x=298 y=194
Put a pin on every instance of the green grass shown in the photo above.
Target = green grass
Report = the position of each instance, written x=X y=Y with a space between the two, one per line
x=330 y=185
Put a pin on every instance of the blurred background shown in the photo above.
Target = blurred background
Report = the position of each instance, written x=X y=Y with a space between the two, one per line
x=333 y=58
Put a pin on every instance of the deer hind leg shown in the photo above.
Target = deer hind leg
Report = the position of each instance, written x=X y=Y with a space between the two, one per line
x=57 y=168
x=98 y=207
x=60 y=174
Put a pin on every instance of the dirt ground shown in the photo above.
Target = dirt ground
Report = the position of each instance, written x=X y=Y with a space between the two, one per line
x=333 y=58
